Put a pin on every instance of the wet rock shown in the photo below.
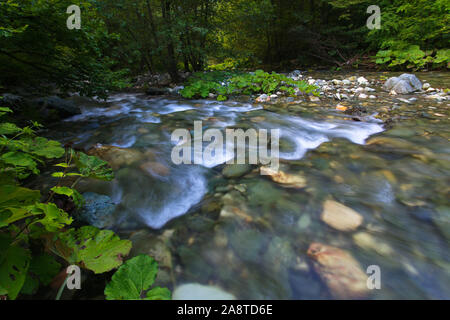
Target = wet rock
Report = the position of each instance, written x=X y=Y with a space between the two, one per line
x=157 y=91
x=279 y=255
x=155 y=169
x=63 y=107
x=288 y=180
x=338 y=269
x=362 y=81
x=146 y=243
x=340 y=217
x=368 y=242
x=97 y=210
x=295 y=75
x=304 y=222
x=406 y=83
x=263 y=98
x=236 y=170
x=248 y=244
x=314 y=99
x=363 y=96
x=115 y=156
x=195 y=291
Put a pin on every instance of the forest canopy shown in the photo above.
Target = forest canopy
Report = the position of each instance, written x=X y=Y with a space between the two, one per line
x=119 y=38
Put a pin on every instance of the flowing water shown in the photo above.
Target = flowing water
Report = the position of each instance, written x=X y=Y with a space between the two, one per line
x=249 y=235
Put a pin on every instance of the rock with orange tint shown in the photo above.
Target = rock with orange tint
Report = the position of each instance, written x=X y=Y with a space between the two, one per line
x=340 y=107
x=115 y=156
x=340 y=217
x=288 y=180
x=338 y=269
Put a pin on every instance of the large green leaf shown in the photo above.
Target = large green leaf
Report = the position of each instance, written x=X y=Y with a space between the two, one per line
x=43 y=147
x=20 y=159
x=43 y=268
x=54 y=218
x=92 y=248
x=93 y=167
x=14 y=264
x=133 y=280
x=14 y=201
x=9 y=128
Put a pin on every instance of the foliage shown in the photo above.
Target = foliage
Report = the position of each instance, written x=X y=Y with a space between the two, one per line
x=225 y=84
x=133 y=281
x=26 y=222
x=36 y=46
x=90 y=248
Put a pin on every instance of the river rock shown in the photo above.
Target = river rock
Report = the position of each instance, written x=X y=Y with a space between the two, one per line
x=406 y=83
x=97 y=210
x=338 y=269
x=236 y=170
x=64 y=108
x=155 y=168
x=362 y=81
x=146 y=243
x=286 y=179
x=368 y=242
x=340 y=217
x=263 y=98
x=195 y=291
x=115 y=156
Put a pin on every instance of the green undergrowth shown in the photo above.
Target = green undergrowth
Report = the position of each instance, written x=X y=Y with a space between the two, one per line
x=224 y=84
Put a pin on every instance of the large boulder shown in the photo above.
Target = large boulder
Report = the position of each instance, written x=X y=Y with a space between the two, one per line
x=64 y=108
x=97 y=210
x=406 y=83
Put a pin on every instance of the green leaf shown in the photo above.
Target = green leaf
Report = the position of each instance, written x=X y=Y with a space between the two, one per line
x=14 y=264
x=93 y=167
x=92 y=248
x=133 y=279
x=43 y=268
x=54 y=218
x=45 y=148
x=71 y=193
x=13 y=203
x=20 y=159
x=159 y=293
x=9 y=128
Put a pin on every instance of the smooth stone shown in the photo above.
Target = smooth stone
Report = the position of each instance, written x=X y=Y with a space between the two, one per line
x=236 y=170
x=340 y=217
x=263 y=98
x=406 y=83
x=286 y=179
x=97 y=210
x=115 y=156
x=340 y=271
x=195 y=291
x=368 y=242
x=362 y=81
